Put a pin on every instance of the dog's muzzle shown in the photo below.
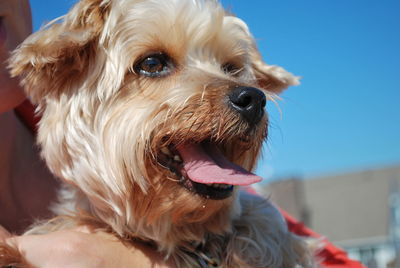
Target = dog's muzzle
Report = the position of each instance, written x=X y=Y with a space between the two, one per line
x=249 y=102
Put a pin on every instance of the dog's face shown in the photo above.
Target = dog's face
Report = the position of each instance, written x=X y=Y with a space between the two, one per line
x=154 y=109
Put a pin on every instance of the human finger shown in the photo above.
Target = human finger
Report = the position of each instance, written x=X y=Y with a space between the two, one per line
x=4 y=234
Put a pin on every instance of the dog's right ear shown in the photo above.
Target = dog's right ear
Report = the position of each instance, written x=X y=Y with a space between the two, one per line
x=56 y=56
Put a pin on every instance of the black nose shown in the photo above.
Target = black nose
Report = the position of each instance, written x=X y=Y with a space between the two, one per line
x=249 y=102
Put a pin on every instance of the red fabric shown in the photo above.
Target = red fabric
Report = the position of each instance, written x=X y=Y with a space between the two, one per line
x=26 y=113
x=332 y=256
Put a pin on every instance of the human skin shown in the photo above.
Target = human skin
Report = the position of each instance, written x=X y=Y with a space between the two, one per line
x=27 y=187
x=84 y=249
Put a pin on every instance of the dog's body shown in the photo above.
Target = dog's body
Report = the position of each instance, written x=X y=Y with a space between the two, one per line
x=152 y=112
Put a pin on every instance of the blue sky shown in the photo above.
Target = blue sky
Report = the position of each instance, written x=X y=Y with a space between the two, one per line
x=345 y=115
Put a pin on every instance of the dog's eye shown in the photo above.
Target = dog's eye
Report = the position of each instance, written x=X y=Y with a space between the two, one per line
x=231 y=69
x=155 y=65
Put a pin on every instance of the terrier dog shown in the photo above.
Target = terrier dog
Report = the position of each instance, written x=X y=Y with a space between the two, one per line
x=153 y=114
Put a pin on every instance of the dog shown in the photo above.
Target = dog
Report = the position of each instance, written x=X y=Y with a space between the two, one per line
x=153 y=115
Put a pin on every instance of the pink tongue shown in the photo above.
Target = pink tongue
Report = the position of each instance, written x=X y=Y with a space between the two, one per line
x=206 y=164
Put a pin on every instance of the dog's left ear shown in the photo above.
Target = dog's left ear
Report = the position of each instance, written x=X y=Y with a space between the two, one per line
x=271 y=77
x=58 y=55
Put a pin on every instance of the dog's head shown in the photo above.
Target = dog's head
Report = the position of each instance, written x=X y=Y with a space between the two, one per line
x=154 y=109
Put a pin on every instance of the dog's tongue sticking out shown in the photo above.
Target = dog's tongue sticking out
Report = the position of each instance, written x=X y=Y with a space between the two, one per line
x=204 y=163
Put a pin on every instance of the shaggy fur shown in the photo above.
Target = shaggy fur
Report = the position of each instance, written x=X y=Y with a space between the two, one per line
x=103 y=126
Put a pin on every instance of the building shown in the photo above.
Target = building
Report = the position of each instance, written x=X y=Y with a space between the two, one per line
x=358 y=211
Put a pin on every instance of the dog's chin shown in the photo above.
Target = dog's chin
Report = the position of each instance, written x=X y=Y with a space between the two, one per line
x=203 y=169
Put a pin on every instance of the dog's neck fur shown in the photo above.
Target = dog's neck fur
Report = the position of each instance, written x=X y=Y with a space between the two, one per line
x=159 y=230
x=257 y=230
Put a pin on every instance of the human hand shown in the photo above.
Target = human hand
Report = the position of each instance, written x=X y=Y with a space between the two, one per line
x=81 y=248
x=4 y=234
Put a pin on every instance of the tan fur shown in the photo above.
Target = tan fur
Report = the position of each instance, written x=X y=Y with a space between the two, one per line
x=103 y=125
x=11 y=257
